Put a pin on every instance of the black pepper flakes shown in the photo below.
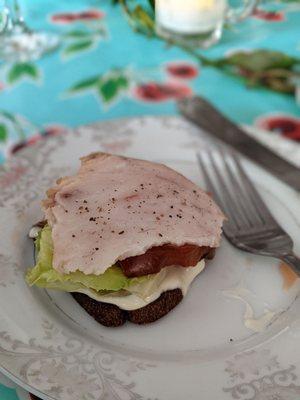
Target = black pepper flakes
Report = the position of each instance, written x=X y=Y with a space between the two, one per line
x=121 y=233
x=85 y=202
x=159 y=195
x=160 y=235
x=96 y=248
x=73 y=235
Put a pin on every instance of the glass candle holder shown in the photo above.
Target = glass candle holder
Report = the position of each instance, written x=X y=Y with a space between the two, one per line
x=199 y=22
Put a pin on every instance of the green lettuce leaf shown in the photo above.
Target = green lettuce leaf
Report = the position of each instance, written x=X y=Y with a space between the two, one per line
x=44 y=275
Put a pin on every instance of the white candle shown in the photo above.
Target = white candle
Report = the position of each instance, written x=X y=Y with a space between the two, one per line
x=189 y=16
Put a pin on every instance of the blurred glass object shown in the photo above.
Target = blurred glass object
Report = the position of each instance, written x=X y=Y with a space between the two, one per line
x=17 y=41
x=198 y=22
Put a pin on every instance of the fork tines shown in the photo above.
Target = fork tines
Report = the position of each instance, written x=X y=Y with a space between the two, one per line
x=233 y=190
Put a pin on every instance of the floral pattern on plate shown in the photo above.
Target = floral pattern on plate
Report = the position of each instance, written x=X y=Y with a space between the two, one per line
x=257 y=375
x=71 y=369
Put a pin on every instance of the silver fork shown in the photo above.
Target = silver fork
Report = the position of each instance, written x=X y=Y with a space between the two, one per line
x=250 y=225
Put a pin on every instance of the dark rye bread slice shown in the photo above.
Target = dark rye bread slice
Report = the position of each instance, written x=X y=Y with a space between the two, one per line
x=112 y=316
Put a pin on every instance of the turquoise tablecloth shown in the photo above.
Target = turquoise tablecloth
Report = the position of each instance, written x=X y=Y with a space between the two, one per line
x=137 y=76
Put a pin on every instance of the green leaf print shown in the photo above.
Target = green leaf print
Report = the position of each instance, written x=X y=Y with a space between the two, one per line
x=85 y=84
x=122 y=82
x=108 y=89
x=22 y=70
x=108 y=86
x=78 y=33
x=111 y=86
x=3 y=133
x=78 y=47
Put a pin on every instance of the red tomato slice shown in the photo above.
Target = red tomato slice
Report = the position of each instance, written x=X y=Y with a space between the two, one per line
x=166 y=255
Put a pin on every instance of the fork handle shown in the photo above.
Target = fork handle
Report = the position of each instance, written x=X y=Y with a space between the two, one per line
x=293 y=261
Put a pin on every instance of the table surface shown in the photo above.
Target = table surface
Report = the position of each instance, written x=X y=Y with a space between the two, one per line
x=115 y=72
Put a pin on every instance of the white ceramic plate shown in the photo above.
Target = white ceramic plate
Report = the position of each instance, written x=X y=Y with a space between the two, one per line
x=202 y=349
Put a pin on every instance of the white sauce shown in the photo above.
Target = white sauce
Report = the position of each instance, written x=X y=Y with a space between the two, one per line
x=256 y=324
x=34 y=232
x=169 y=277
